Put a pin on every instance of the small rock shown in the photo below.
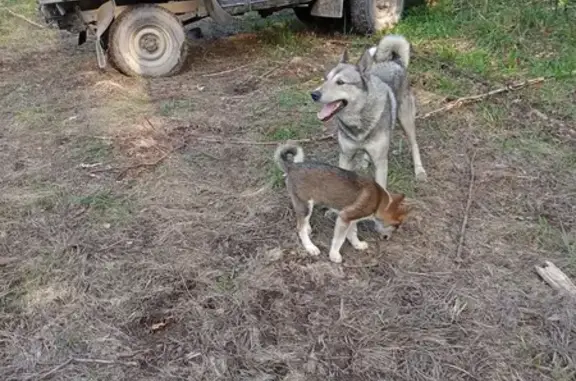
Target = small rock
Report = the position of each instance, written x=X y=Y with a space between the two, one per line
x=296 y=61
x=275 y=254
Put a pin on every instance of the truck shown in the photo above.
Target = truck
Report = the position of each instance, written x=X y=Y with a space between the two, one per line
x=147 y=38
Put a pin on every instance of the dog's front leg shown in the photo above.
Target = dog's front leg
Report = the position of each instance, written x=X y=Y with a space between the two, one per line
x=380 y=161
x=381 y=175
x=340 y=233
x=346 y=160
x=378 y=153
x=353 y=237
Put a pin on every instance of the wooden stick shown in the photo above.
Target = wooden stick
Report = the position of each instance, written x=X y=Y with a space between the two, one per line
x=24 y=18
x=104 y=362
x=51 y=372
x=475 y=98
x=214 y=139
x=556 y=278
x=466 y=211
x=124 y=170
x=81 y=361
x=152 y=164
x=227 y=71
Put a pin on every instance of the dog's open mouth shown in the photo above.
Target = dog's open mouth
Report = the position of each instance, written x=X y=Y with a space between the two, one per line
x=330 y=109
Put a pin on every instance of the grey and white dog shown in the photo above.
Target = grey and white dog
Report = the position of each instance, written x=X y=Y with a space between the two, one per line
x=366 y=99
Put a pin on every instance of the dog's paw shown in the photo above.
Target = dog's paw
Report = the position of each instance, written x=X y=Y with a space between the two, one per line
x=421 y=175
x=335 y=257
x=360 y=245
x=313 y=250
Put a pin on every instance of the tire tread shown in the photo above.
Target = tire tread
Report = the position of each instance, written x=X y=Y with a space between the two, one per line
x=114 y=51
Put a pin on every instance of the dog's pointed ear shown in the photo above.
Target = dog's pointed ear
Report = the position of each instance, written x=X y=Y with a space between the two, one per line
x=344 y=56
x=397 y=198
x=364 y=65
x=364 y=80
x=365 y=62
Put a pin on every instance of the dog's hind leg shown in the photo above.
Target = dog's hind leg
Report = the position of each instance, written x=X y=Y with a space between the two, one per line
x=303 y=212
x=407 y=119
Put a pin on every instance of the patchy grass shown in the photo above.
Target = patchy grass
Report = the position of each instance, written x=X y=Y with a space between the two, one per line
x=16 y=33
x=497 y=38
x=177 y=108
x=91 y=150
x=276 y=176
x=557 y=239
x=188 y=265
x=298 y=115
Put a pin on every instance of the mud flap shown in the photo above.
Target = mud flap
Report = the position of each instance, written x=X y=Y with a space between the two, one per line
x=104 y=18
x=328 y=8
x=217 y=13
x=82 y=37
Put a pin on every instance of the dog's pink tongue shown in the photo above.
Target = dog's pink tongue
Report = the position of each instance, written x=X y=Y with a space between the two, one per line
x=327 y=110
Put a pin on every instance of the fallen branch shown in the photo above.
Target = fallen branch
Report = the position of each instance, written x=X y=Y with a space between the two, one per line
x=153 y=164
x=124 y=170
x=269 y=72
x=52 y=371
x=24 y=18
x=214 y=139
x=556 y=278
x=80 y=361
x=104 y=362
x=475 y=98
x=218 y=73
x=466 y=211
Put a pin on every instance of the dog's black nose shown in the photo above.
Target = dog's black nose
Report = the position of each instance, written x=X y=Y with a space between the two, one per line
x=316 y=95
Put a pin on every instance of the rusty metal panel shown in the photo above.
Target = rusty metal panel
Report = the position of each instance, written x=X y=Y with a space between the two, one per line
x=328 y=8
x=236 y=3
x=42 y=2
x=189 y=6
x=177 y=7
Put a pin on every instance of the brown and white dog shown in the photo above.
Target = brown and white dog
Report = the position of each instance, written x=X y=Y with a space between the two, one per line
x=356 y=198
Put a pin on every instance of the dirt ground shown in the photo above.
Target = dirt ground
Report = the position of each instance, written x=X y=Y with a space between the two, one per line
x=146 y=243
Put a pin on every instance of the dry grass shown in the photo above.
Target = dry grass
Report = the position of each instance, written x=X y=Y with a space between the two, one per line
x=191 y=269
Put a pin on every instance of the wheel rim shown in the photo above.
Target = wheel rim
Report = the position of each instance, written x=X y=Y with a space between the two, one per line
x=387 y=13
x=151 y=46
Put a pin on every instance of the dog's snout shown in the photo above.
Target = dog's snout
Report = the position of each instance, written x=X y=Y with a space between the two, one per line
x=316 y=95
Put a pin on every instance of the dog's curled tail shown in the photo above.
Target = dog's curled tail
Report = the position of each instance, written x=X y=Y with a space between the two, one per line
x=282 y=152
x=392 y=46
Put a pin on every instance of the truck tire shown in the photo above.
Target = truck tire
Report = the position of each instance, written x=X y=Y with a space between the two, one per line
x=371 y=16
x=147 y=41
